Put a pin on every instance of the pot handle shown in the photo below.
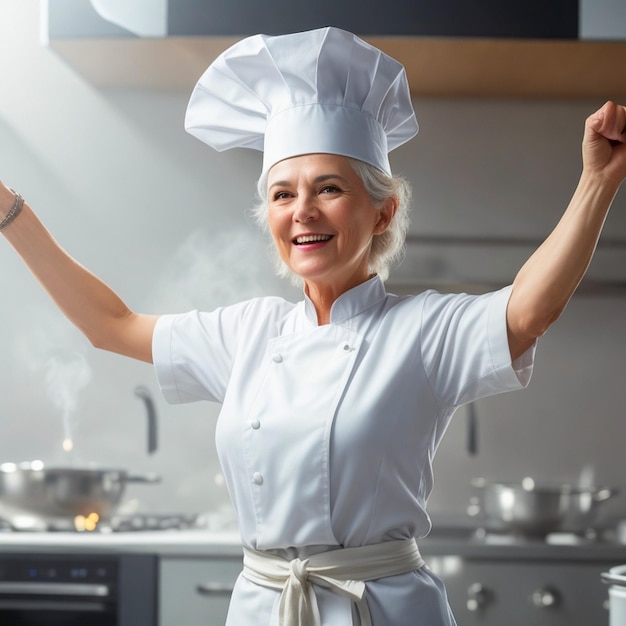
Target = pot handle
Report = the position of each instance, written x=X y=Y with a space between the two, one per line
x=604 y=494
x=613 y=579
x=151 y=479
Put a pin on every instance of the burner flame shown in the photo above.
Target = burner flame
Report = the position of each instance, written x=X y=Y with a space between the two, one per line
x=86 y=524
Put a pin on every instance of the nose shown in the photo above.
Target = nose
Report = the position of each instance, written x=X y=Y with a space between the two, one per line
x=306 y=210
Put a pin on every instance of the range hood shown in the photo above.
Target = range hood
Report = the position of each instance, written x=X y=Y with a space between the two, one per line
x=450 y=48
x=531 y=19
x=453 y=263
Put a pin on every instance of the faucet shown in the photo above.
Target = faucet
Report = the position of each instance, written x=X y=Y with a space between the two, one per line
x=144 y=394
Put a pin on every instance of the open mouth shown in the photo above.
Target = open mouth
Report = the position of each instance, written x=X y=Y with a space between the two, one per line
x=304 y=239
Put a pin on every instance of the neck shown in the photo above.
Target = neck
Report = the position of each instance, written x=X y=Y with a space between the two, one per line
x=323 y=296
x=322 y=301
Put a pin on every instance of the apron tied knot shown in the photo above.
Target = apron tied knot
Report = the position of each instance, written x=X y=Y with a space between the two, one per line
x=343 y=571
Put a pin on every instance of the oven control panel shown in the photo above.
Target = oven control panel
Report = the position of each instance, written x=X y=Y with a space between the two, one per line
x=28 y=568
x=95 y=589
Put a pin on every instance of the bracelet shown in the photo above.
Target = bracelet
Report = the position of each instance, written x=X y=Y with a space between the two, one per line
x=14 y=212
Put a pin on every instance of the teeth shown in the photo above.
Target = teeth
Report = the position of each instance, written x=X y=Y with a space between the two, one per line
x=311 y=238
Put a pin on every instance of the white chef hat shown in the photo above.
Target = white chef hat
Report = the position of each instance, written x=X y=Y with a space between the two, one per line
x=322 y=90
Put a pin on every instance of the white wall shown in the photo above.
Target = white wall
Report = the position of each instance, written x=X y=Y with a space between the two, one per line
x=162 y=218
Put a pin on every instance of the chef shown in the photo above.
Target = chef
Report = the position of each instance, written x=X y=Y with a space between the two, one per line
x=333 y=407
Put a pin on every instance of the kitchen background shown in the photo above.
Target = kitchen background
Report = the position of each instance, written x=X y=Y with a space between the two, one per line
x=162 y=218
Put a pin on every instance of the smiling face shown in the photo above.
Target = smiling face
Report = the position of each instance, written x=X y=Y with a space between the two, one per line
x=322 y=220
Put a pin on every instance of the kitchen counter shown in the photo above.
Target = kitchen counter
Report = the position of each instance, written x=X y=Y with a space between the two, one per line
x=524 y=550
x=200 y=543
x=165 y=543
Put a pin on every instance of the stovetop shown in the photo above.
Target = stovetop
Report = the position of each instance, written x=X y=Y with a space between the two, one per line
x=165 y=534
x=138 y=522
x=221 y=519
x=125 y=523
x=168 y=538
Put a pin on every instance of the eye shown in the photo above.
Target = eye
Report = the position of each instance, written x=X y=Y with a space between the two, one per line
x=329 y=189
x=281 y=195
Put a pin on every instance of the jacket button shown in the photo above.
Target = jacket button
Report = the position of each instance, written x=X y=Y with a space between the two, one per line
x=255 y=424
x=257 y=478
x=277 y=358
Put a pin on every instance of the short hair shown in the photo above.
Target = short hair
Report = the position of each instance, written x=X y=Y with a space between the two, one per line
x=388 y=247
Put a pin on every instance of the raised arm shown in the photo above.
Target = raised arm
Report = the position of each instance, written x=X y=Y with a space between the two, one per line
x=86 y=301
x=547 y=281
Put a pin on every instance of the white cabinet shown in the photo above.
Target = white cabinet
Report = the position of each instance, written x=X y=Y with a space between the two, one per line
x=196 y=591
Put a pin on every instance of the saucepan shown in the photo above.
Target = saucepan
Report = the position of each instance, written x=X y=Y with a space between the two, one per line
x=533 y=509
x=35 y=497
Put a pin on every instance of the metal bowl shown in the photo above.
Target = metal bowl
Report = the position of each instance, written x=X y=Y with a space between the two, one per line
x=530 y=509
x=34 y=496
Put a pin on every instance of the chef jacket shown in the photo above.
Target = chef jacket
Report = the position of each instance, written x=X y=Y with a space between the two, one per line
x=327 y=434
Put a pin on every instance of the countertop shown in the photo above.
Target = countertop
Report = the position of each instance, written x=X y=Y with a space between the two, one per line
x=503 y=549
x=202 y=543
x=172 y=543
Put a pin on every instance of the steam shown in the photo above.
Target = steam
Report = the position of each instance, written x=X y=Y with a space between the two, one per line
x=66 y=373
x=51 y=353
x=209 y=271
x=206 y=271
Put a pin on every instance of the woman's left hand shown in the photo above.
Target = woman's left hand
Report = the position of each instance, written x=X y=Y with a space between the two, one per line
x=604 y=143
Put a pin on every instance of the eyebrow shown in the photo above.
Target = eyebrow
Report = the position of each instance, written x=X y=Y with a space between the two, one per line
x=317 y=180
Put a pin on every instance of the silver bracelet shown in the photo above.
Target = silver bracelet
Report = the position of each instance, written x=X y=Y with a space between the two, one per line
x=14 y=212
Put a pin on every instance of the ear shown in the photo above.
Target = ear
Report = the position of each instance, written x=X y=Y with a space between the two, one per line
x=386 y=214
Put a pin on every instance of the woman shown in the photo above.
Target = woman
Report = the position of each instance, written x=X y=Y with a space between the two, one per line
x=333 y=408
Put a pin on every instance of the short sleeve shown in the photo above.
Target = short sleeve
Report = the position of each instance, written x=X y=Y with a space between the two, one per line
x=194 y=353
x=191 y=356
x=465 y=347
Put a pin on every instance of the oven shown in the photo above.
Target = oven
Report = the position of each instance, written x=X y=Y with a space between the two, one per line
x=60 y=588
x=136 y=570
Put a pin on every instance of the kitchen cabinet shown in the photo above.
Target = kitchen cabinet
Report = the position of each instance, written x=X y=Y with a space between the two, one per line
x=195 y=591
x=470 y=56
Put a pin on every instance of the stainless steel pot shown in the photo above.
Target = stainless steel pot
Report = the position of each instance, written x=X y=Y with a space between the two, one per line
x=36 y=497
x=532 y=509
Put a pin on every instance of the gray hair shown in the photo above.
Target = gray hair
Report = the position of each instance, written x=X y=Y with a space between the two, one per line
x=388 y=247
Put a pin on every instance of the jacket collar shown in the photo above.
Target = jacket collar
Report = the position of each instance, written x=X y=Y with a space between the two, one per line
x=351 y=303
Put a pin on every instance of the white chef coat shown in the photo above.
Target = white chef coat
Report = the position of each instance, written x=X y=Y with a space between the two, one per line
x=327 y=434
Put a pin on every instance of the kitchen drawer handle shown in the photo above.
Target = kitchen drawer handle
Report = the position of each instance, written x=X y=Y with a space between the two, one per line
x=35 y=604
x=214 y=589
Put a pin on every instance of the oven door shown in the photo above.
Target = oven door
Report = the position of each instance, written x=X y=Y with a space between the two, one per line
x=99 y=590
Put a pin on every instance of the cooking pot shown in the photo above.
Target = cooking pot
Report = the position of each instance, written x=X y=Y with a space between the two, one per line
x=537 y=510
x=616 y=577
x=34 y=497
